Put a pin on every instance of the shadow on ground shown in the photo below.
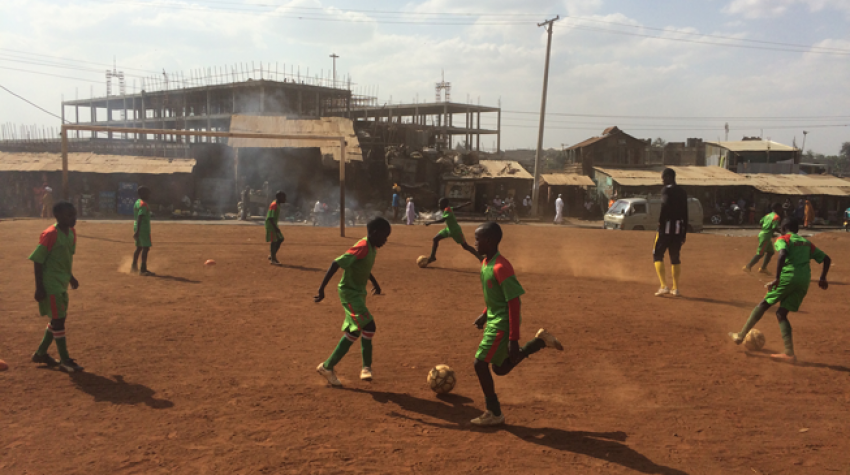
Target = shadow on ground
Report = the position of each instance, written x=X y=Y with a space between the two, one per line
x=117 y=391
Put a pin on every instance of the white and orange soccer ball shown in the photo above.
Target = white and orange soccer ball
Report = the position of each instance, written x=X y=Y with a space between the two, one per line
x=441 y=379
x=754 y=340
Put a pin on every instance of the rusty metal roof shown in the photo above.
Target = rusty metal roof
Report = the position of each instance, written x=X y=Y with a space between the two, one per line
x=489 y=169
x=91 y=163
x=691 y=176
x=585 y=143
x=754 y=146
x=566 y=179
x=798 y=185
x=326 y=126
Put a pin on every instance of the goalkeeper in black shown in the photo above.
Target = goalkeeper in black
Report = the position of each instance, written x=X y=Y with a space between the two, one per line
x=672 y=229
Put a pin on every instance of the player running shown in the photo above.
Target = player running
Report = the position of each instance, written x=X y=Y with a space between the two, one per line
x=357 y=265
x=502 y=316
x=451 y=230
x=769 y=226
x=273 y=233
x=53 y=259
x=142 y=231
x=672 y=230
x=789 y=288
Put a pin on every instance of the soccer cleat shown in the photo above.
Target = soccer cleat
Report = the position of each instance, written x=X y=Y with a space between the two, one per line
x=764 y=271
x=329 y=375
x=784 y=358
x=549 y=339
x=70 y=366
x=747 y=269
x=662 y=291
x=275 y=263
x=488 y=419
x=431 y=259
x=738 y=339
x=675 y=293
x=146 y=273
x=44 y=359
x=366 y=373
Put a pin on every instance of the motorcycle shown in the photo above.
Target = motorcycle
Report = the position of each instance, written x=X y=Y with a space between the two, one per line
x=728 y=215
x=504 y=212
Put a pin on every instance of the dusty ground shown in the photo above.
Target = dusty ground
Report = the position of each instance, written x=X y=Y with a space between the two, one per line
x=211 y=370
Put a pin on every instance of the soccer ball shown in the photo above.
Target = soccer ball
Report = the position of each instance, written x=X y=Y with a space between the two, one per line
x=441 y=379
x=422 y=261
x=754 y=340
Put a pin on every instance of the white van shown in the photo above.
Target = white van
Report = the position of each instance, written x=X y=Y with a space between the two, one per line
x=642 y=213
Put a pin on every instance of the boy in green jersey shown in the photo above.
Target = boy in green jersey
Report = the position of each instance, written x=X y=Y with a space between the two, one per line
x=142 y=231
x=273 y=233
x=769 y=226
x=500 y=321
x=793 y=275
x=53 y=259
x=357 y=270
x=452 y=230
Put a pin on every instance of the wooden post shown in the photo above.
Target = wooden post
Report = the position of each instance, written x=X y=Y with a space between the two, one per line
x=65 y=191
x=342 y=187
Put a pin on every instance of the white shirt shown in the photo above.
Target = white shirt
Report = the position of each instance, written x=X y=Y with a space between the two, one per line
x=559 y=204
x=318 y=208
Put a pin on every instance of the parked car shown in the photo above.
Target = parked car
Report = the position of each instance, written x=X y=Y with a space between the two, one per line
x=642 y=213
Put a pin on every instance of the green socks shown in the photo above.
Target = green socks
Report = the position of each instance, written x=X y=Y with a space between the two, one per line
x=340 y=351
x=493 y=405
x=366 y=351
x=533 y=346
x=767 y=258
x=758 y=312
x=785 y=330
x=63 y=349
x=754 y=261
x=45 y=342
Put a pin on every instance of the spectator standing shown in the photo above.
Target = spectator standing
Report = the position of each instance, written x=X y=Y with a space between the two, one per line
x=411 y=212
x=47 y=203
x=396 y=204
x=559 y=210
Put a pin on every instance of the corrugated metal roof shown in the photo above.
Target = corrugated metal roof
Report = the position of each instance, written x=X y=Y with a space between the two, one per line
x=754 y=146
x=585 y=143
x=798 y=185
x=691 y=176
x=489 y=169
x=326 y=126
x=91 y=163
x=566 y=179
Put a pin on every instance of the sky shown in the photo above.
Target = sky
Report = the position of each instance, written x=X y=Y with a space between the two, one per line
x=662 y=68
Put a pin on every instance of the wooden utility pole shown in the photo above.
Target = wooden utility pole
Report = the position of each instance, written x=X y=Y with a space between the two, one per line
x=535 y=191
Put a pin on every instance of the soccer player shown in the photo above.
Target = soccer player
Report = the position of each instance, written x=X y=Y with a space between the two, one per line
x=53 y=259
x=769 y=226
x=672 y=230
x=357 y=265
x=793 y=275
x=142 y=231
x=502 y=316
x=451 y=230
x=273 y=233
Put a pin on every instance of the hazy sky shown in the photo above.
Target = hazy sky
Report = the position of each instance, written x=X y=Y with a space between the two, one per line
x=644 y=66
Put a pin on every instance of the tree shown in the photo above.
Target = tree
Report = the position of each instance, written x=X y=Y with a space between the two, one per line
x=659 y=143
x=845 y=150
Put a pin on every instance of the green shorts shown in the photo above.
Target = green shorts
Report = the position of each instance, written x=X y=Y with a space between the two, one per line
x=789 y=294
x=456 y=235
x=273 y=235
x=54 y=306
x=494 y=346
x=144 y=240
x=357 y=315
x=765 y=245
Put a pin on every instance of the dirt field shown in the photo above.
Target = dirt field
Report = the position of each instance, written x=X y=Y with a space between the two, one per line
x=212 y=370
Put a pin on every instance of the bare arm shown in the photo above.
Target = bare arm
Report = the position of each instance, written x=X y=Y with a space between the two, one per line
x=436 y=221
x=40 y=293
x=331 y=271
x=823 y=282
x=377 y=288
x=463 y=205
x=783 y=255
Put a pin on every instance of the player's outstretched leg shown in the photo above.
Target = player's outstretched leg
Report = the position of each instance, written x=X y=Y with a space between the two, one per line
x=471 y=250
x=755 y=260
x=785 y=330
x=543 y=339
x=366 y=351
x=326 y=369
x=755 y=316
x=436 y=243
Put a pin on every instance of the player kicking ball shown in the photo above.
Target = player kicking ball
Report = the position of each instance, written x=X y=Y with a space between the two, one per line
x=357 y=265
x=789 y=288
x=499 y=320
x=452 y=230
x=769 y=226
x=273 y=232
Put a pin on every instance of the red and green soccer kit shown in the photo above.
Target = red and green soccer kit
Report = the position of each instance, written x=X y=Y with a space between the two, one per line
x=272 y=217
x=55 y=252
x=769 y=225
x=500 y=287
x=796 y=274
x=357 y=265
x=142 y=223
x=452 y=229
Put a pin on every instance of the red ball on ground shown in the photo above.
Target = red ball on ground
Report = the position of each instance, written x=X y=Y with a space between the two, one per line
x=209 y=262
x=3 y=366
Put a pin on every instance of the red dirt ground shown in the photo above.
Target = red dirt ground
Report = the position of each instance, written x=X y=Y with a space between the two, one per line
x=212 y=370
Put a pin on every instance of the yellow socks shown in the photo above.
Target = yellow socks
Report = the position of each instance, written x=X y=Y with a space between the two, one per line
x=659 y=269
x=677 y=271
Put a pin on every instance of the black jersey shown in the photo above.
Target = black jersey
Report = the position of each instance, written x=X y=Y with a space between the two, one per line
x=674 y=211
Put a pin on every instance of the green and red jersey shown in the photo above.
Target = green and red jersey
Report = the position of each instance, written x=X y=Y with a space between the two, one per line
x=501 y=294
x=55 y=252
x=272 y=216
x=142 y=218
x=769 y=225
x=357 y=265
x=798 y=252
x=451 y=221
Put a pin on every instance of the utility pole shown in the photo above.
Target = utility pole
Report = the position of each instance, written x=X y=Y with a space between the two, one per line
x=334 y=56
x=535 y=191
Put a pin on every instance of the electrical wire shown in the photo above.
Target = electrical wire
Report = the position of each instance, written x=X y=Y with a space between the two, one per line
x=31 y=103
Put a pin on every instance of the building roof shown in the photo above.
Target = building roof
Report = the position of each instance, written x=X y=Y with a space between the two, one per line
x=566 y=179
x=798 y=185
x=754 y=146
x=488 y=169
x=91 y=163
x=326 y=126
x=605 y=134
x=691 y=176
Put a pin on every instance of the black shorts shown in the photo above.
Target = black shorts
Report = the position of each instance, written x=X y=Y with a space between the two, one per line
x=667 y=242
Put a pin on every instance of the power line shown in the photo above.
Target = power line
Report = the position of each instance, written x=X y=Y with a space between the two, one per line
x=48 y=74
x=31 y=103
x=16 y=52
x=643 y=128
x=563 y=114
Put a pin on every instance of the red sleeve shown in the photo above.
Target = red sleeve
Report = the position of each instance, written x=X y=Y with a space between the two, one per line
x=273 y=206
x=48 y=238
x=775 y=217
x=513 y=318
x=502 y=269
x=360 y=250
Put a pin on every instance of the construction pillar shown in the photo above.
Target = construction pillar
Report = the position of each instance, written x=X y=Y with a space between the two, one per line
x=342 y=187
